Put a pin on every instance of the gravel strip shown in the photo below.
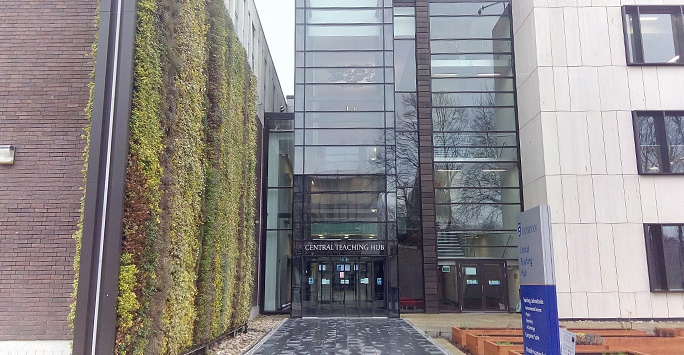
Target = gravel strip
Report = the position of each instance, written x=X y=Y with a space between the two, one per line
x=257 y=327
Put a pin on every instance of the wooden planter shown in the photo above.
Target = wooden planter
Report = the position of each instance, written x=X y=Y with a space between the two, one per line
x=647 y=344
x=458 y=335
x=492 y=348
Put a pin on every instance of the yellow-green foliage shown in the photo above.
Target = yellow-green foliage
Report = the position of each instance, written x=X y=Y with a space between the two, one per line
x=144 y=173
x=188 y=241
x=188 y=183
x=127 y=302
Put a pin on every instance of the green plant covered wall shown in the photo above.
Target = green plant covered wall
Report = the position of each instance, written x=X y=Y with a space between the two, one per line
x=188 y=254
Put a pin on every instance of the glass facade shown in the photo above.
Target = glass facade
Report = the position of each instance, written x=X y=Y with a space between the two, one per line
x=476 y=164
x=351 y=214
x=345 y=199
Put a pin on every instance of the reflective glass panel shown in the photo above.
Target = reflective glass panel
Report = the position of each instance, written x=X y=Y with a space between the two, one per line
x=404 y=27
x=459 y=46
x=649 y=149
x=479 y=154
x=471 y=65
x=343 y=3
x=658 y=37
x=280 y=155
x=345 y=137
x=469 y=216
x=470 y=27
x=473 y=99
x=673 y=252
x=473 y=119
x=405 y=108
x=356 y=37
x=346 y=183
x=469 y=8
x=407 y=158
x=345 y=119
x=477 y=195
x=347 y=207
x=344 y=16
x=279 y=207
x=405 y=65
x=344 y=160
x=345 y=75
x=352 y=97
x=476 y=175
x=452 y=84
x=346 y=230
x=344 y=59
x=278 y=270
x=674 y=129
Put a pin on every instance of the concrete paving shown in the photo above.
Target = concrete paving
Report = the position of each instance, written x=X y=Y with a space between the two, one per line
x=352 y=336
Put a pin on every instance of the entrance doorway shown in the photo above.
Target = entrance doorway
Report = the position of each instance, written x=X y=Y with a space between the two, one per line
x=344 y=287
x=474 y=286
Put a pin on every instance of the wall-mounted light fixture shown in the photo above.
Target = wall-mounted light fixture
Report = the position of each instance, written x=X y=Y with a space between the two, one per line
x=6 y=154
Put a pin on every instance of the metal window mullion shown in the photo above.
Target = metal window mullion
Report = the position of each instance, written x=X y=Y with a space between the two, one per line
x=661 y=139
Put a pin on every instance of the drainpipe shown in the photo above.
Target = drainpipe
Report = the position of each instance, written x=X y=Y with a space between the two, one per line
x=95 y=322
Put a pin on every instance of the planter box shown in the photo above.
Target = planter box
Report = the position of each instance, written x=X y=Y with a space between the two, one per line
x=591 y=349
x=476 y=342
x=458 y=335
x=492 y=348
x=610 y=332
x=649 y=344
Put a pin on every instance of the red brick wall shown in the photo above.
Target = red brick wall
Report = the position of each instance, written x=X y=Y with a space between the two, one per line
x=45 y=64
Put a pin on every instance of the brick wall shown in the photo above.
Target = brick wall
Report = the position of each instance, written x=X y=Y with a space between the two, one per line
x=45 y=64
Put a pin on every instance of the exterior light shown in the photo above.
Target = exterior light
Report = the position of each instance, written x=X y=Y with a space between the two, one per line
x=7 y=154
x=374 y=210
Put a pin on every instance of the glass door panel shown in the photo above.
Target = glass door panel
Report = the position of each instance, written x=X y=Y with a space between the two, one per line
x=340 y=281
x=311 y=289
x=379 y=286
x=471 y=287
x=325 y=272
x=351 y=303
x=494 y=287
x=365 y=288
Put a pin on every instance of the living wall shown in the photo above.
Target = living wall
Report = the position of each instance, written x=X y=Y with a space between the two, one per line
x=187 y=253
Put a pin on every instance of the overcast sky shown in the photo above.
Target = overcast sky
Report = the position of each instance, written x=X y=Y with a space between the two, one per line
x=277 y=19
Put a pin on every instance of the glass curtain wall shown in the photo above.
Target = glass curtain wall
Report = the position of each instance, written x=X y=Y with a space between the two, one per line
x=345 y=174
x=278 y=241
x=474 y=122
x=476 y=150
x=410 y=253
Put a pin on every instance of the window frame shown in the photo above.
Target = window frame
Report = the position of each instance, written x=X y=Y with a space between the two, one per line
x=657 y=261
x=661 y=140
x=636 y=40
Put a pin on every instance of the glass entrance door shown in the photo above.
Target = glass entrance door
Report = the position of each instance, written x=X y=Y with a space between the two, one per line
x=482 y=286
x=344 y=287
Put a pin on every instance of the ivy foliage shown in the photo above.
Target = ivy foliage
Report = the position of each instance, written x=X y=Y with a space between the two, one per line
x=188 y=239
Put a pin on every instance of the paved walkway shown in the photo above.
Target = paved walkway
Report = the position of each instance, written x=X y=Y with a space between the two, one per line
x=387 y=336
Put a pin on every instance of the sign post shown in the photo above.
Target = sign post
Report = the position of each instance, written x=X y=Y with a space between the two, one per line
x=537 y=283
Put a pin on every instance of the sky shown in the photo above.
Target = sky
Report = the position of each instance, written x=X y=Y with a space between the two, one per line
x=277 y=20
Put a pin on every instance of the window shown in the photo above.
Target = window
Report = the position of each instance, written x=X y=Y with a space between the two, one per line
x=659 y=140
x=654 y=34
x=665 y=251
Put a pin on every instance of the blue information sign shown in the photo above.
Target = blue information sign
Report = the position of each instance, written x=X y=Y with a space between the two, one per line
x=540 y=319
x=539 y=306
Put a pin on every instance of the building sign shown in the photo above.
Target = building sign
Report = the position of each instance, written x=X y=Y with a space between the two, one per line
x=537 y=283
x=344 y=247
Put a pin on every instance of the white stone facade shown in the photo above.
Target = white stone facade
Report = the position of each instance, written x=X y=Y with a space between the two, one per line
x=576 y=95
